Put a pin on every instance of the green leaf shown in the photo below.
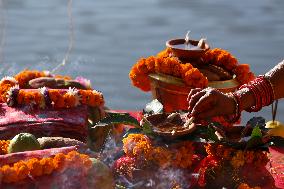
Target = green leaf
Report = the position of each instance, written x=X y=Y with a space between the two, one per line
x=119 y=118
x=132 y=131
x=147 y=128
x=254 y=142
x=256 y=132
x=154 y=107
x=211 y=134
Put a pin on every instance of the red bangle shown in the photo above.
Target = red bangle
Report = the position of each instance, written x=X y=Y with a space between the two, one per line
x=263 y=92
x=237 y=114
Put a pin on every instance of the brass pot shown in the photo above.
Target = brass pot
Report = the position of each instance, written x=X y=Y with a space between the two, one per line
x=172 y=92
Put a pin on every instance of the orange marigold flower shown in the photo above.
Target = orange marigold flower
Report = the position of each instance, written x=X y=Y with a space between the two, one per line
x=246 y=186
x=4 y=146
x=22 y=170
x=9 y=174
x=36 y=169
x=141 y=66
x=59 y=161
x=86 y=161
x=5 y=86
x=150 y=64
x=183 y=155
x=25 y=76
x=165 y=53
x=137 y=145
x=47 y=165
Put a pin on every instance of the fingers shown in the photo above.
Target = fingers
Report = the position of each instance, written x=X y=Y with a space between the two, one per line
x=206 y=114
x=203 y=103
x=194 y=99
x=193 y=92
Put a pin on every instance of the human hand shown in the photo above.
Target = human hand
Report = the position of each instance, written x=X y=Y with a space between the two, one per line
x=209 y=102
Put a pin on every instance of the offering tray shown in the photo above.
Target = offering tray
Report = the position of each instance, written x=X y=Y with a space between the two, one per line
x=171 y=125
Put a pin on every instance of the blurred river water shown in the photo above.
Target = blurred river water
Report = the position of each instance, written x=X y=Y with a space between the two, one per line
x=109 y=36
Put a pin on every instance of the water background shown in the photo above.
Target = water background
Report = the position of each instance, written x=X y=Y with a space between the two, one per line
x=111 y=35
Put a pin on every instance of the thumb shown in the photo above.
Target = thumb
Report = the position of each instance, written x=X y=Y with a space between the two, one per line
x=205 y=103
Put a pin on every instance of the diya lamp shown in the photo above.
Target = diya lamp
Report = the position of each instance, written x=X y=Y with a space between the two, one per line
x=171 y=91
x=187 y=48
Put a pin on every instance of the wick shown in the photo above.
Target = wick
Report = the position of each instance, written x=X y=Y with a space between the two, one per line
x=187 y=38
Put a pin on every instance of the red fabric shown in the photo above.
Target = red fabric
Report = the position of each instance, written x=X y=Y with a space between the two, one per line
x=275 y=166
x=70 y=123
x=10 y=115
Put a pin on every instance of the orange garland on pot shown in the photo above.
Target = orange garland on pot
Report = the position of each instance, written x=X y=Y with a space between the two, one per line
x=192 y=77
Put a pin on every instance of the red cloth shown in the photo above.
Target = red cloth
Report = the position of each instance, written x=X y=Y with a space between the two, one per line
x=70 y=123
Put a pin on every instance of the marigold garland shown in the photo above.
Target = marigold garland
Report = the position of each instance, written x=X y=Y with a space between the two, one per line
x=165 y=63
x=12 y=91
x=38 y=167
x=4 y=146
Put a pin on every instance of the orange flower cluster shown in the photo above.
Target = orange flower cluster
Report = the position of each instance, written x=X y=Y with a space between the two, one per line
x=224 y=59
x=243 y=73
x=139 y=145
x=29 y=97
x=165 y=53
x=4 y=146
x=237 y=158
x=25 y=76
x=5 y=85
x=166 y=65
x=246 y=186
x=45 y=166
x=183 y=155
x=60 y=99
x=221 y=58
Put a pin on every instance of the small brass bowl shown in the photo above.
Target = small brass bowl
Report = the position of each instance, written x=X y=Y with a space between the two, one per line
x=186 y=54
x=172 y=92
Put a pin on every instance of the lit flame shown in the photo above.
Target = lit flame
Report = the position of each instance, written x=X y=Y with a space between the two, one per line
x=187 y=38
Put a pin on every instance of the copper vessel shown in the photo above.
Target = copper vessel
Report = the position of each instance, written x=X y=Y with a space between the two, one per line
x=172 y=92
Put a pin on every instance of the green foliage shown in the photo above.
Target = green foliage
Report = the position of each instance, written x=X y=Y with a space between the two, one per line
x=256 y=132
x=147 y=127
x=119 y=118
